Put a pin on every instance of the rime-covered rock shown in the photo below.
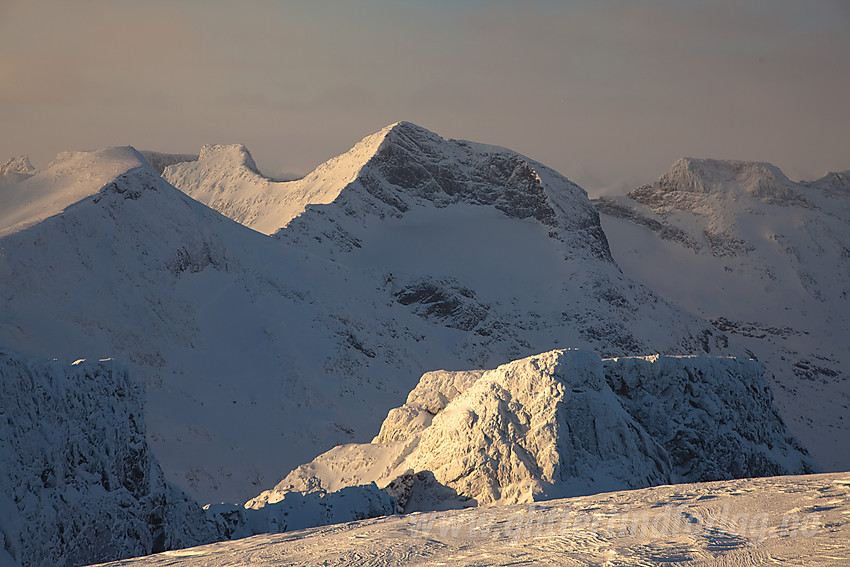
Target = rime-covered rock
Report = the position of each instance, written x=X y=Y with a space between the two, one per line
x=564 y=423
x=714 y=416
x=80 y=484
x=15 y=170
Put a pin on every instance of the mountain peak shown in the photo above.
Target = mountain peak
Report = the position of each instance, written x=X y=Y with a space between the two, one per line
x=407 y=165
x=18 y=165
x=835 y=182
x=70 y=178
x=235 y=154
x=760 y=179
x=720 y=178
x=400 y=168
x=408 y=129
x=491 y=437
x=405 y=170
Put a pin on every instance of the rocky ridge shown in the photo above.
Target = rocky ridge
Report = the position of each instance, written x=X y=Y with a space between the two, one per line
x=563 y=423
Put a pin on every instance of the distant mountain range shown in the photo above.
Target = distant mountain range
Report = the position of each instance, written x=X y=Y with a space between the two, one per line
x=259 y=353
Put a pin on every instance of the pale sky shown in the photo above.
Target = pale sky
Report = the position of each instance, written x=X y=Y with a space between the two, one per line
x=608 y=92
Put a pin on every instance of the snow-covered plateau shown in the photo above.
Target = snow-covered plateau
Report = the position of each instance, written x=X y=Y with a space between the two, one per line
x=257 y=326
x=788 y=520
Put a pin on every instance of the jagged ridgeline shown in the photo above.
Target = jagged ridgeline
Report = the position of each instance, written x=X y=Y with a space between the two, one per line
x=407 y=254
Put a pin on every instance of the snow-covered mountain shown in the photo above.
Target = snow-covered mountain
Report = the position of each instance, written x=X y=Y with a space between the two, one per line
x=767 y=260
x=79 y=483
x=563 y=423
x=265 y=342
x=789 y=520
x=259 y=353
x=15 y=170
x=472 y=237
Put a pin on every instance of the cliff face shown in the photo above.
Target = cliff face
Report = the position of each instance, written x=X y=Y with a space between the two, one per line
x=80 y=483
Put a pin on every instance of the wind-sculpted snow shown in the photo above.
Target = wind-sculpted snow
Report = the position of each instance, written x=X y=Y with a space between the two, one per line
x=767 y=260
x=788 y=520
x=79 y=483
x=560 y=424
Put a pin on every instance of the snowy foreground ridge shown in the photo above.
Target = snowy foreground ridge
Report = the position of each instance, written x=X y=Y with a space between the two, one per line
x=789 y=520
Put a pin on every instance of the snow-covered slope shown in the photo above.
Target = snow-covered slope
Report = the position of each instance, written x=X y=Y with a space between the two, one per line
x=768 y=521
x=79 y=483
x=69 y=178
x=236 y=336
x=487 y=241
x=563 y=423
x=767 y=260
x=259 y=353
x=471 y=237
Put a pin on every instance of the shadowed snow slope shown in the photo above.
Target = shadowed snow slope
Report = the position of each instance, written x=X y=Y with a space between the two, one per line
x=767 y=260
x=79 y=482
x=564 y=423
x=259 y=353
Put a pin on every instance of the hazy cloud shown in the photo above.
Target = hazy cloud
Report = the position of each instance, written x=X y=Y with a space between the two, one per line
x=605 y=91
